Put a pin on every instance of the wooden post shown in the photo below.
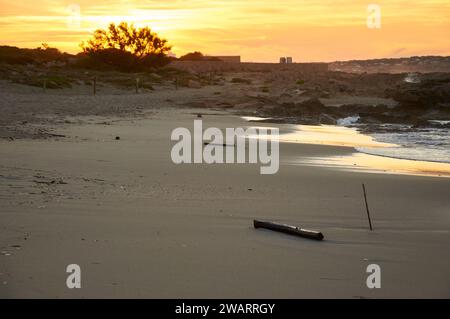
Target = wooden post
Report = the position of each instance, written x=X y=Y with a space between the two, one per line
x=367 y=206
x=137 y=85
x=94 y=86
x=44 y=85
x=176 y=83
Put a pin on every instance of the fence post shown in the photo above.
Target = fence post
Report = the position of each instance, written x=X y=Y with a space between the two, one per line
x=94 y=86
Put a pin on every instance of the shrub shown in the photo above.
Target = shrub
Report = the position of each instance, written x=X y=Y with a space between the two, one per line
x=197 y=56
x=240 y=80
x=15 y=55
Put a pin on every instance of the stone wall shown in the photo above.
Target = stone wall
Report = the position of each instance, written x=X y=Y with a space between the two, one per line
x=229 y=58
x=219 y=66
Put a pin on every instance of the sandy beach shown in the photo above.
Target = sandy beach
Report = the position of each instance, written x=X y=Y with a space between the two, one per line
x=140 y=226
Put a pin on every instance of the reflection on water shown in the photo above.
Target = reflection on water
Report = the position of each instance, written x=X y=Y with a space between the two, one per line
x=350 y=137
x=321 y=134
x=334 y=135
x=421 y=144
x=331 y=135
x=380 y=164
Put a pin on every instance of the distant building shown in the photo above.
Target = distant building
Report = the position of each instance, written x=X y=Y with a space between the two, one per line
x=228 y=58
x=285 y=60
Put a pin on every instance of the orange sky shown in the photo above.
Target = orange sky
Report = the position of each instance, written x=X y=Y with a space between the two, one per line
x=307 y=30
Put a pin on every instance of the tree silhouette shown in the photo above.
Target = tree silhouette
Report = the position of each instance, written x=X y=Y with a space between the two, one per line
x=119 y=42
x=125 y=37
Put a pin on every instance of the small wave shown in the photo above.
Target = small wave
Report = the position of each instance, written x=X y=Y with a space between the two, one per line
x=440 y=122
x=254 y=118
x=412 y=78
x=348 y=120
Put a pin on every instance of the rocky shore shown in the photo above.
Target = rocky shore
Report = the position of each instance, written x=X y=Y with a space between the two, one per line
x=287 y=96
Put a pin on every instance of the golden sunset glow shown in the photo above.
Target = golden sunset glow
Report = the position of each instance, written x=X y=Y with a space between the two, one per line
x=312 y=30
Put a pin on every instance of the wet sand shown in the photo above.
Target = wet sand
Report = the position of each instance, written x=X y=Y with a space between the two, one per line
x=141 y=226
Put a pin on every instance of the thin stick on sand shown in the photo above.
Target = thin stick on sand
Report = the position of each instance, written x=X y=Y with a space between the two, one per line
x=367 y=206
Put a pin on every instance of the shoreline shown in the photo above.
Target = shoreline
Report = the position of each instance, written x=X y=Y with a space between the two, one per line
x=359 y=160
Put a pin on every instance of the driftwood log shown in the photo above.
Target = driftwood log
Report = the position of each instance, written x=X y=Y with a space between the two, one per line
x=288 y=229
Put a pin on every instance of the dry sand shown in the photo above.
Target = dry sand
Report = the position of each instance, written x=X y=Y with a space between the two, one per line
x=141 y=226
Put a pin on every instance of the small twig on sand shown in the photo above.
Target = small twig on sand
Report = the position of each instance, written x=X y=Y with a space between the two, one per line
x=55 y=135
x=217 y=144
x=367 y=206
